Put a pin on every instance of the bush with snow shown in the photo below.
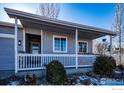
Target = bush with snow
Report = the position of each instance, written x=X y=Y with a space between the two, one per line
x=105 y=65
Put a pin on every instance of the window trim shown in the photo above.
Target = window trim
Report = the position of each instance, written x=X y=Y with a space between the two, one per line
x=57 y=36
x=84 y=42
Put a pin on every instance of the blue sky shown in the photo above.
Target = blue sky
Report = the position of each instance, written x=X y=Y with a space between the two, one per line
x=99 y=15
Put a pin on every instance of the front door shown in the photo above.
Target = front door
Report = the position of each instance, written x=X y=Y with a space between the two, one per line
x=35 y=47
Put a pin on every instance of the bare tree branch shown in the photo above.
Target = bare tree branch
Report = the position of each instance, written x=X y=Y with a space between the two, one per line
x=50 y=10
x=102 y=48
x=119 y=28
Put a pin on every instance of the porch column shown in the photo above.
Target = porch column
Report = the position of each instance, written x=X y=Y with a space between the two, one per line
x=110 y=45
x=16 y=51
x=76 y=47
x=41 y=46
x=24 y=40
x=41 y=41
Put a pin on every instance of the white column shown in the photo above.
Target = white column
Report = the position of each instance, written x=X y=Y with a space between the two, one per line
x=24 y=40
x=41 y=41
x=41 y=46
x=76 y=47
x=16 y=51
x=110 y=45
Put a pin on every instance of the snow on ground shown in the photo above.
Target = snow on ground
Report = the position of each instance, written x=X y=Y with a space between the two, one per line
x=94 y=81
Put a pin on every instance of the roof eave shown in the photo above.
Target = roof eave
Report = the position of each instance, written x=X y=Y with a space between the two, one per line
x=15 y=13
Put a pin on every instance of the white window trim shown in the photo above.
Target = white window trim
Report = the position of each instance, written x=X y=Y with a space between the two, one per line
x=57 y=36
x=84 y=42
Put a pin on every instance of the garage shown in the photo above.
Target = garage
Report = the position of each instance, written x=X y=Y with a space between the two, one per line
x=6 y=53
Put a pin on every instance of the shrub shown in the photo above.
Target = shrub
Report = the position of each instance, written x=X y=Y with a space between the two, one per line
x=30 y=80
x=104 y=65
x=121 y=67
x=113 y=62
x=55 y=73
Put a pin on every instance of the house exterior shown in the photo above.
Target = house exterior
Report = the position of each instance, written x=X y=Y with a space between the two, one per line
x=39 y=40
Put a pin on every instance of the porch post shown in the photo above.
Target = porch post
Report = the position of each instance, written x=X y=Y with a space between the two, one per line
x=110 y=45
x=41 y=46
x=76 y=47
x=41 y=41
x=23 y=39
x=16 y=29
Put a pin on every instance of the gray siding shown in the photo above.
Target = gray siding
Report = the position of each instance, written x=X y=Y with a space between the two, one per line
x=10 y=30
x=6 y=30
x=7 y=48
x=90 y=44
x=6 y=54
x=20 y=37
x=48 y=40
x=7 y=45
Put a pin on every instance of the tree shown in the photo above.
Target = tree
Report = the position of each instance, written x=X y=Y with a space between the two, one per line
x=50 y=10
x=119 y=28
x=102 y=48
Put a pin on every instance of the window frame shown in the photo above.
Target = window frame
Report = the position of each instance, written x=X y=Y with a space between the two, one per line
x=83 y=42
x=59 y=51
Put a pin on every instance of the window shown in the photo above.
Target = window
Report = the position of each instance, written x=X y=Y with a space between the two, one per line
x=82 y=47
x=60 y=44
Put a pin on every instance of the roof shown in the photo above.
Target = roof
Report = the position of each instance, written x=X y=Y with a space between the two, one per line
x=7 y=24
x=20 y=14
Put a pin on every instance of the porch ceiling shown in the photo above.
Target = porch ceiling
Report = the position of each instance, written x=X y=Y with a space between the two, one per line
x=32 y=20
x=62 y=29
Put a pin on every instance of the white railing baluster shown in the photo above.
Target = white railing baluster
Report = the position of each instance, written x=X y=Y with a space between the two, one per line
x=37 y=61
x=25 y=61
x=21 y=61
x=41 y=61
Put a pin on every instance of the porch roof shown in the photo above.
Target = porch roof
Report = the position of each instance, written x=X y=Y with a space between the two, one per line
x=88 y=31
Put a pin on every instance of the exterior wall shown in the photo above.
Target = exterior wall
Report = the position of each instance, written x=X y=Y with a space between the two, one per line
x=20 y=37
x=6 y=50
x=90 y=44
x=7 y=44
x=10 y=30
x=7 y=56
x=6 y=30
x=48 y=41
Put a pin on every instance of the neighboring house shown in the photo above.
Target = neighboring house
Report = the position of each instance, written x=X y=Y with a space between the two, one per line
x=40 y=40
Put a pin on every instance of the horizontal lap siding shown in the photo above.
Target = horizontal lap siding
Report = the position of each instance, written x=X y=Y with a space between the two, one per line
x=20 y=37
x=90 y=43
x=6 y=30
x=48 y=42
x=86 y=60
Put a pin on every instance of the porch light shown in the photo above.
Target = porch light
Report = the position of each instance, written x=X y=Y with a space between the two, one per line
x=19 y=42
x=104 y=40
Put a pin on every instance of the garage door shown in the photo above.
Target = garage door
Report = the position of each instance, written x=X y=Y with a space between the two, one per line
x=6 y=53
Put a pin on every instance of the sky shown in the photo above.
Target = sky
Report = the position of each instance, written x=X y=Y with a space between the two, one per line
x=92 y=14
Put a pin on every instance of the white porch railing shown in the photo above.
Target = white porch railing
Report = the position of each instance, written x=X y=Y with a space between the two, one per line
x=38 y=61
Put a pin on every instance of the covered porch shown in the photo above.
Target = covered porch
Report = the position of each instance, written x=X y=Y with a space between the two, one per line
x=37 y=54
x=34 y=56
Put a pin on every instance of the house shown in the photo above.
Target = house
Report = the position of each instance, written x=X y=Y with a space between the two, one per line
x=39 y=40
